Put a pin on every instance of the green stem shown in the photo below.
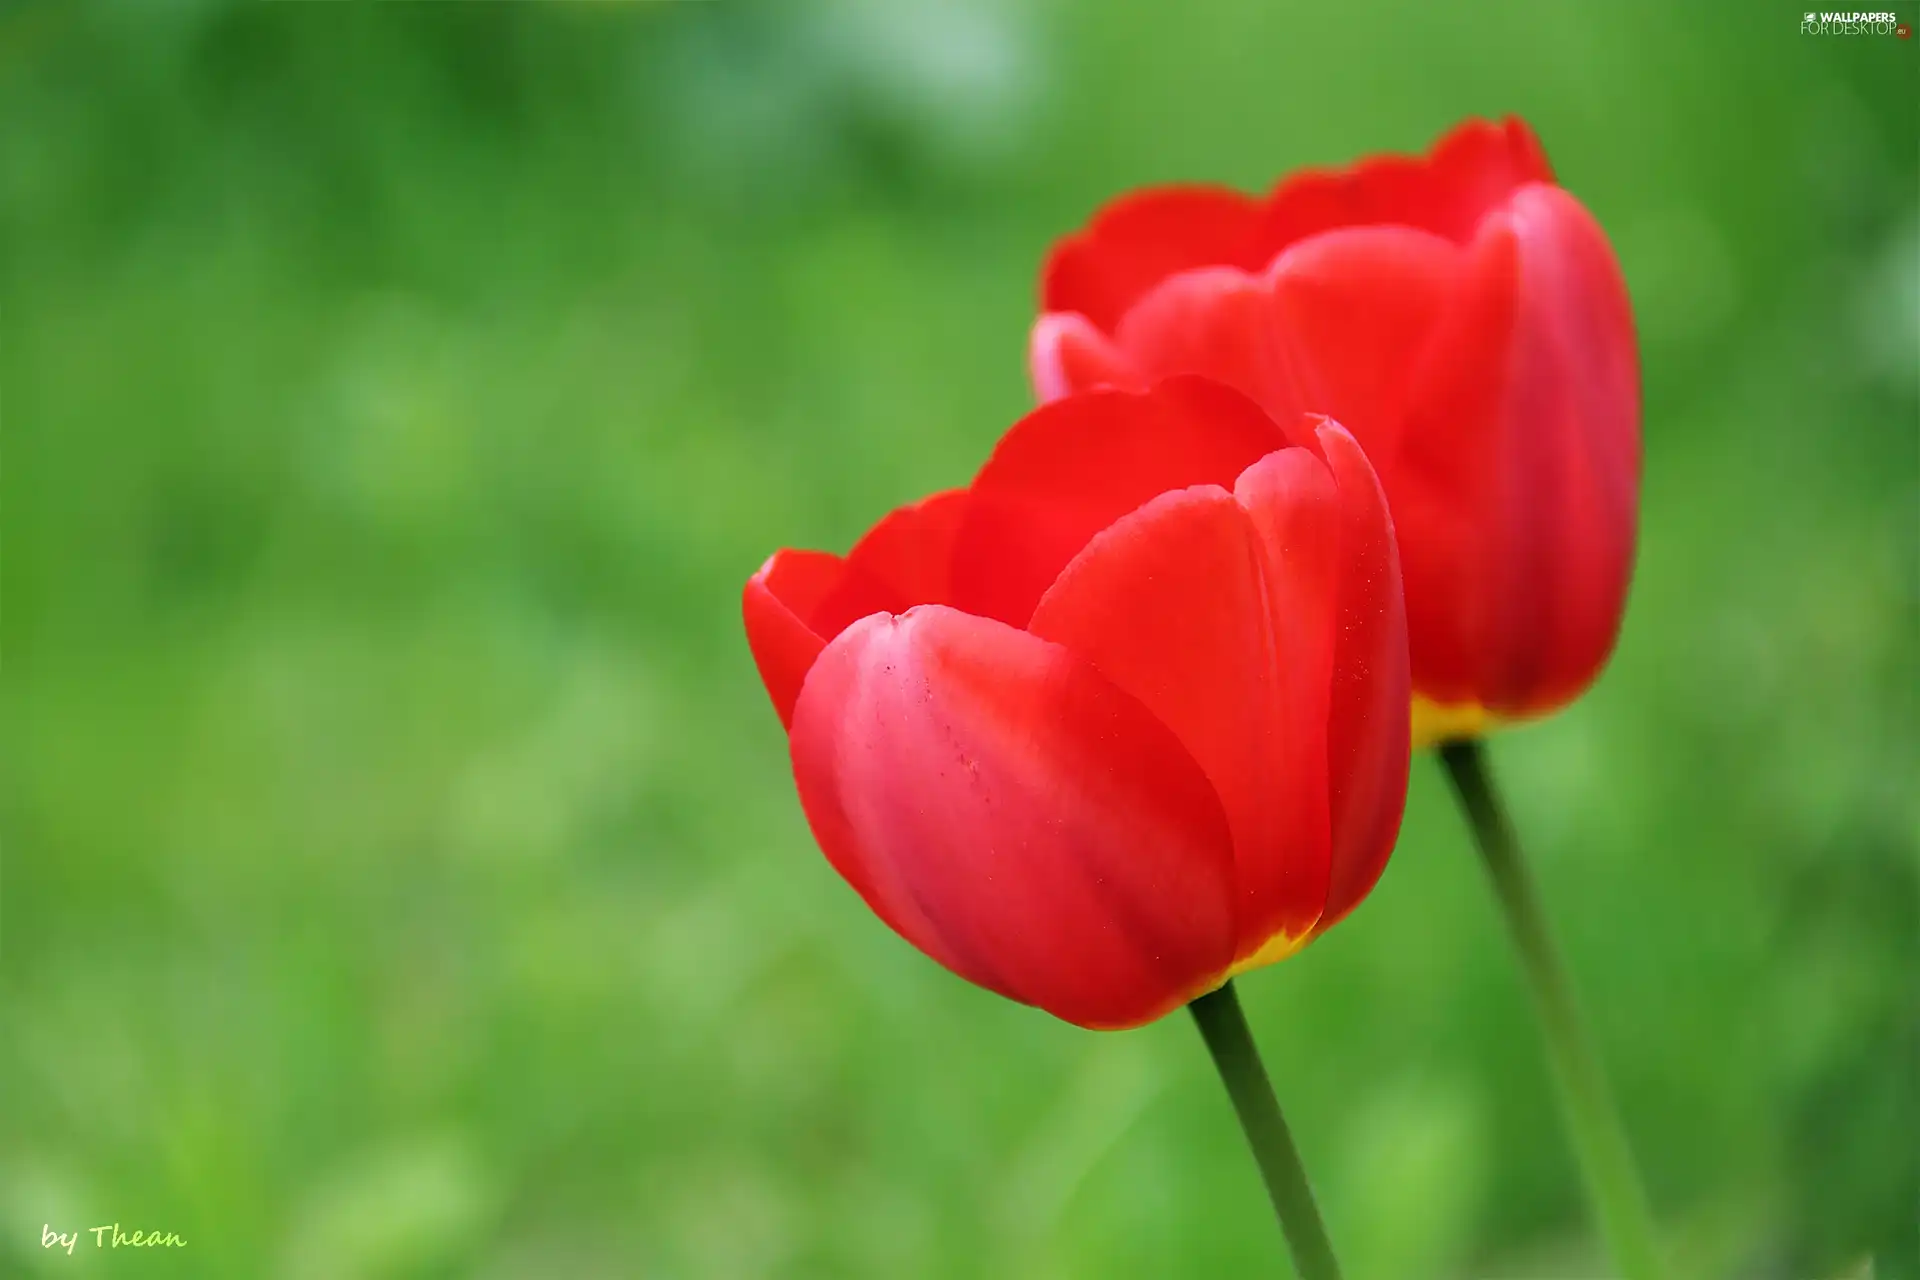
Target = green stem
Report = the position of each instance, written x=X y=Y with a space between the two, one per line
x=1224 y=1027
x=1599 y=1141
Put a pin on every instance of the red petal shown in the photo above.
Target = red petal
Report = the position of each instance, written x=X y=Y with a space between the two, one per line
x=1465 y=175
x=1574 y=409
x=909 y=554
x=1071 y=468
x=1357 y=307
x=1516 y=490
x=1445 y=482
x=1145 y=236
x=1387 y=189
x=1179 y=604
x=1334 y=326
x=1476 y=168
x=1068 y=354
x=1368 y=728
x=1015 y=816
x=778 y=603
x=801 y=599
x=1220 y=322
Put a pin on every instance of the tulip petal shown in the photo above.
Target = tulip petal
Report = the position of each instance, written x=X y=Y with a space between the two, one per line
x=778 y=606
x=1468 y=172
x=904 y=560
x=1357 y=307
x=1071 y=468
x=1221 y=323
x=1516 y=486
x=1368 y=726
x=799 y=600
x=1017 y=817
x=1477 y=165
x=1333 y=326
x=1067 y=354
x=910 y=552
x=1179 y=604
x=1145 y=236
x=1445 y=481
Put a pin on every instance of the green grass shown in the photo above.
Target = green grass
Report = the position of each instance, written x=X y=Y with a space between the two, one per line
x=403 y=873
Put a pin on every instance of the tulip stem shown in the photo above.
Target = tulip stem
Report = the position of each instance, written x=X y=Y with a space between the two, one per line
x=1599 y=1139
x=1224 y=1027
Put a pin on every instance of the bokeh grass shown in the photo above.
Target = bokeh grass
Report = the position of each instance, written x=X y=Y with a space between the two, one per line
x=403 y=875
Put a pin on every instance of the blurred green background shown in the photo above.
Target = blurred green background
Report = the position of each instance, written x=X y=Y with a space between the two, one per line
x=403 y=873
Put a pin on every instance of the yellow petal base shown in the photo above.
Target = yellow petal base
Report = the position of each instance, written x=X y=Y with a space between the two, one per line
x=1434 y=723
x=1276 y=948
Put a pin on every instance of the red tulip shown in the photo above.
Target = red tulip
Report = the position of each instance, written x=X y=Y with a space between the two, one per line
x=1121 y=719
x=1466 y=319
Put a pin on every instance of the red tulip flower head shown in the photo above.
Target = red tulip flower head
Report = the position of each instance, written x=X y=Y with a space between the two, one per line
x=1121 y=719
x=1465 y=318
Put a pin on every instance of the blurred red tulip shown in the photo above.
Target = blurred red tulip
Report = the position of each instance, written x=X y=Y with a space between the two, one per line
x=1121 y=719
x=1466 y=319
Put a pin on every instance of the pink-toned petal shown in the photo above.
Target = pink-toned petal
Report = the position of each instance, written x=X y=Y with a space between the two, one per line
x=1067 y=354
x=1368 y=726
x=1071 y=468
x=1145 y=236
x=1567 y=419
x=1517 y=489
x=1016 y=816
x=1179 y=604
x=1576 y=367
